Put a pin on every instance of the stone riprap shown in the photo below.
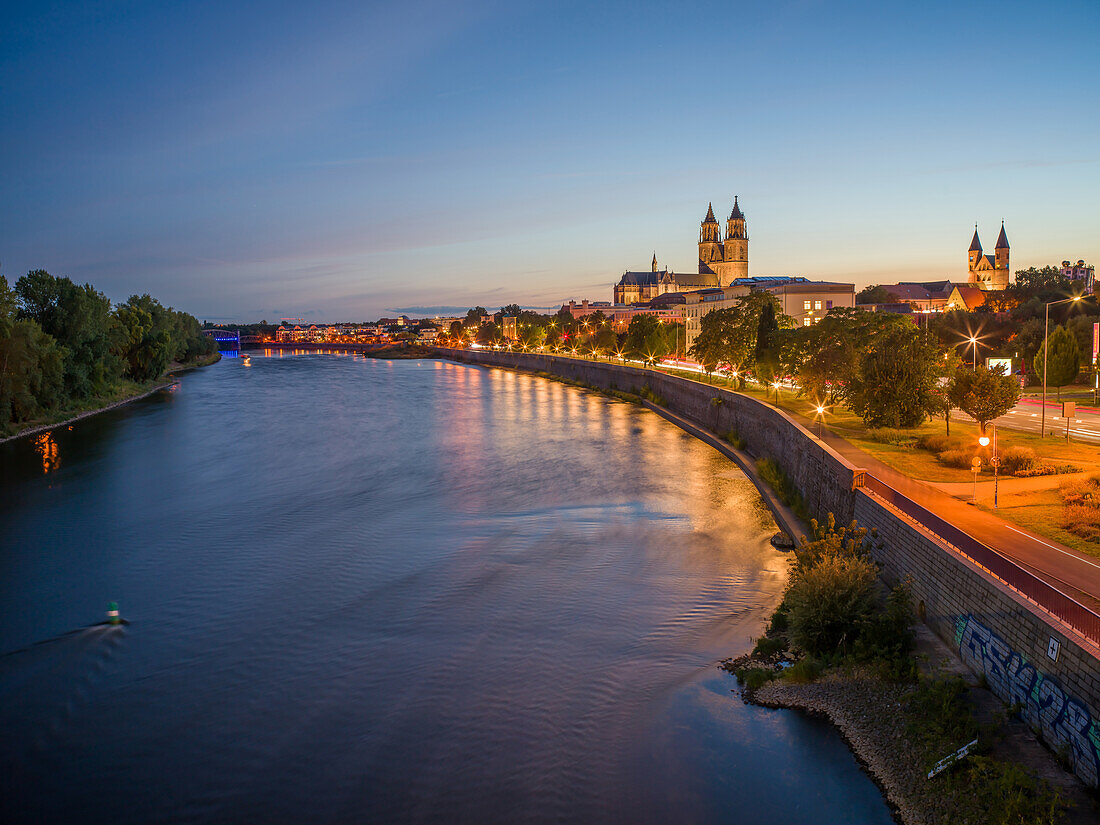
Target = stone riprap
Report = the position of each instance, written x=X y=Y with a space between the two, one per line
x=1030 y=658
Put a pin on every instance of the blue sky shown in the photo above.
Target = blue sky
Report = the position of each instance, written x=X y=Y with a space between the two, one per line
x=340 y=160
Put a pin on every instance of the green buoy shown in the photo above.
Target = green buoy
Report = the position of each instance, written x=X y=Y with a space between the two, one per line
x=112 y=613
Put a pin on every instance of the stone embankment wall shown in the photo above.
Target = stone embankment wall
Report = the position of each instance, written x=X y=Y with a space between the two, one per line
x=1001 y=636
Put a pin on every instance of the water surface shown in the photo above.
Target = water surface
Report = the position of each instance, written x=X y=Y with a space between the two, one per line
x=372 y=591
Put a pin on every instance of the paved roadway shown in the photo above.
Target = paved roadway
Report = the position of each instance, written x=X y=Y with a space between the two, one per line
x=1027 y=414
x=1075 y=574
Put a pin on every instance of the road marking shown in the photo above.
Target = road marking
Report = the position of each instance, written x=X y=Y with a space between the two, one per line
x=1052 y=547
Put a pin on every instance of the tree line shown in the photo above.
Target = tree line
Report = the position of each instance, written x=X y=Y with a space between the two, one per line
x=62 y=345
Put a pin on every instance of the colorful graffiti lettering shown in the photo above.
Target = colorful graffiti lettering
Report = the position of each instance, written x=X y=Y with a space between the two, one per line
x=1062 y=721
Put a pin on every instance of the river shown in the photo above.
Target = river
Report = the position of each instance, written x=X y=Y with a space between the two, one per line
x=391 y=591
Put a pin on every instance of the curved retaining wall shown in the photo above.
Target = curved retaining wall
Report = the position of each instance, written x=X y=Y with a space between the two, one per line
x=1028 y=656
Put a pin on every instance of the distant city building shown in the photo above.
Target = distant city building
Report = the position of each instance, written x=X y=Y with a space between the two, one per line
x=703 y=301
x=586 y=307
x=966 y=298
x=923 y=296
x=721 y=260
x=802 y=299
x=510 y=329
x=1080 y=271
x=988 y=271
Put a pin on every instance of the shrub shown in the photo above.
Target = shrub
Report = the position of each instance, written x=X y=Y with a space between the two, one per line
x=803 y=671
x=1043 y=469
x=938 y=442
x=779 y=619
x=769 y=646
x=1015 y=459
x=889 y=435
x=754 y=678
x=827 y=600
x=736 y=440
x=941 y=713
x=1082 y=520
x=886 y=636
x=783 y=486
x=960 y=459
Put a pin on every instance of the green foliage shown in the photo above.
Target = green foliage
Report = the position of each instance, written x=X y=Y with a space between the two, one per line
x=940 y=714
x=1015 y=459
x=886 y=638
x=936 y=443
x=775 y=478
x=984 y=394
x=754 y=678
x=769 y=646
x=826 y=356
x=489 y=334
x=475 y=314
x=62 y=345
x=875 y=294
x=736 y=440
x=79 y=320
x=1065 y=359
x=728 y=338
x=646 y=338
x=804 y=671
x=1015 y=797
x=827 y=601
x=895 y=383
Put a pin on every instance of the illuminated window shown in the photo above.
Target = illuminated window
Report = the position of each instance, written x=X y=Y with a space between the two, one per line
x=807 y=321
x=805 y=304
x=817 y=304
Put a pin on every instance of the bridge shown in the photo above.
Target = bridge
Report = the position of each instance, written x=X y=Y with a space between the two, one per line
x=225 y=338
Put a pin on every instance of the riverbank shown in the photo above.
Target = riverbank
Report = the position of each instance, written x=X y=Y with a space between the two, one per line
x=898 y=729
x=126 y=392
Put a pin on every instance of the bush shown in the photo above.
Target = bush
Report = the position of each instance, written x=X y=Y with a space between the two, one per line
x=769 y=646
x=1043 y=469
x=960 y=459
x=803 y=671
x=1015 y=459
x=938 y=442
x=827 y=600
x=886 y=637
x=754 y=678
x=1083 y=521
x=941 y=714
x=889 y=435
x=736 y=440
x=783 y=486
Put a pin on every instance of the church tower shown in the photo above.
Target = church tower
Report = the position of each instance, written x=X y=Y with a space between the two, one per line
x=974 y=255
x=654 y=264
x=1000 y=273
x=710 y=243
x=736 y=247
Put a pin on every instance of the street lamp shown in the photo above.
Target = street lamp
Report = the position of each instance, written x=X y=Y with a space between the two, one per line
x=1046 y=335
x=984 y=439
x=974 y=344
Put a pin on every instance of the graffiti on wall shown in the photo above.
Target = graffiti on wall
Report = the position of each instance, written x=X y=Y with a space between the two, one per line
x=1063 y=721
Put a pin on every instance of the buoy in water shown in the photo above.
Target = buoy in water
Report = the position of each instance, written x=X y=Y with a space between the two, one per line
x=112 y=613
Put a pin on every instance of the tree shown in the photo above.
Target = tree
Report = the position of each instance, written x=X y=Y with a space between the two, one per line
x=145 y=348
x=895 y=383
x=512 y=309
x=79 y=319
x=727 y=337
x=1065 y=359
x=489 y=334
x=875 y=294
x=984 y=394
x=646 y=338
x=455 y=329
x=474 y=316
x=826 y=356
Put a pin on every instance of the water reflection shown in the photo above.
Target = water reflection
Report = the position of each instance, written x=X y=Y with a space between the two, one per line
x=47 y=450
x=372 y=591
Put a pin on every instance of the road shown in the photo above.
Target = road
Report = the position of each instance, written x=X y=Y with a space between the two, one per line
x=1027 y=416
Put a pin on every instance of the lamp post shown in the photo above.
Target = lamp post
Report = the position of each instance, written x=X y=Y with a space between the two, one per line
x=974 y=344
x=995 y=461
x=1046 y=335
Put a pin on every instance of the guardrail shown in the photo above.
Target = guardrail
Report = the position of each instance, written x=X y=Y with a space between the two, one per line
x=1069 y=610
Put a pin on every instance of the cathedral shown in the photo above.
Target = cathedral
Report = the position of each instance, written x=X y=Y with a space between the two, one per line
x=721 y=260
x=987 y=271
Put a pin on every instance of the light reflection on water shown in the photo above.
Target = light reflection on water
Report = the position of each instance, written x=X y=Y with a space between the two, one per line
x=409 y=591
